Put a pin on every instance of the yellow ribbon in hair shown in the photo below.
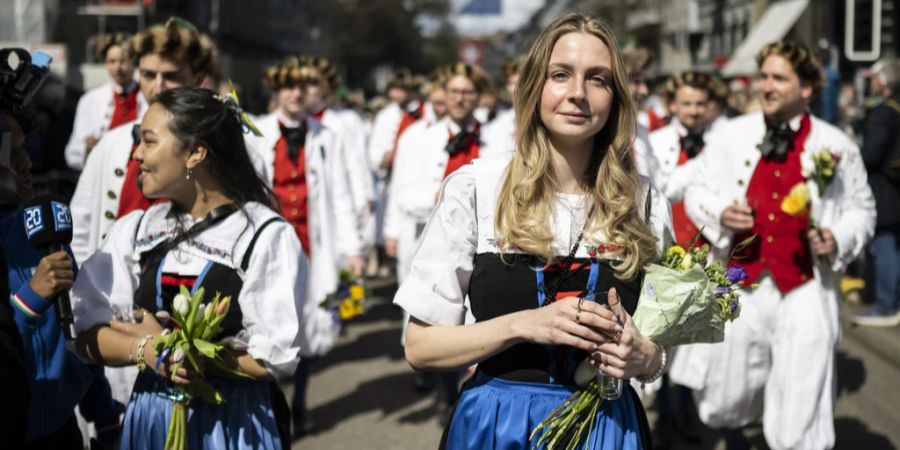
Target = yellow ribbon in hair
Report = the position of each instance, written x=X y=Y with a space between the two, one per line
x=232 y=99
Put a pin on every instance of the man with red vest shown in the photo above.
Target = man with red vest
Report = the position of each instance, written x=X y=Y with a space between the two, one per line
x=676 y=144
x=778 y=357
x=426 y=154
x=106 y=107
x=304 y=164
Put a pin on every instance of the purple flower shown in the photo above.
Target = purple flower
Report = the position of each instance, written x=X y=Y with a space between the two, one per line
x=736 y=274
x=734 y=305
x=720 y=291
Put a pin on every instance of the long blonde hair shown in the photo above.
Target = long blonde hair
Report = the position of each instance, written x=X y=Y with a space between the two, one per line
x=528 y=189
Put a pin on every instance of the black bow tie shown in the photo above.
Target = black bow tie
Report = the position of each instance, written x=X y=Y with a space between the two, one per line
x=777 y=141
x=295 y=137
x=462 y=140
x=692 y=144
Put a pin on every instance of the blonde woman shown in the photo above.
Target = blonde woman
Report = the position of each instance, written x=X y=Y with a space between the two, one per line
x=531 y=241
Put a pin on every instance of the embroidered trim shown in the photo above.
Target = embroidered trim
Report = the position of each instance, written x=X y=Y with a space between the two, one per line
x=595 y=250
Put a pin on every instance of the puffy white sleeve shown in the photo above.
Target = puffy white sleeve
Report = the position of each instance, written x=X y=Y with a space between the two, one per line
x=273 y=300
x=108 y=278
x=435 y=289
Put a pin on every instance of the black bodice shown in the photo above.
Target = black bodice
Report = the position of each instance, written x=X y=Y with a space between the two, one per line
x=502 y=286
x=217 y=279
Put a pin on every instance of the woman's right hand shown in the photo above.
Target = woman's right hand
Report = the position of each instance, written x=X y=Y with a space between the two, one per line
x=561 y=323
x=182 y=376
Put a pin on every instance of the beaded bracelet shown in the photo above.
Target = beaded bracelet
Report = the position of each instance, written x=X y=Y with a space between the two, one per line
x=659 y=372
x=139 y=354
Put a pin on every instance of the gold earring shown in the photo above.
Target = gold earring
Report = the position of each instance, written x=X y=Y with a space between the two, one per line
x=187 y=176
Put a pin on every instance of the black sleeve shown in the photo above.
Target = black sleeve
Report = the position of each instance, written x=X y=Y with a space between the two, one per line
x=880 y=137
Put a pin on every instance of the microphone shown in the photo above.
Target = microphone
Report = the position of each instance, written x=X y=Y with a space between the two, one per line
x=48 y=224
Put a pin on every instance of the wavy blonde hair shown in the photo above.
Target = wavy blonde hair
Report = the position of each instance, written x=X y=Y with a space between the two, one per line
x=527 y=193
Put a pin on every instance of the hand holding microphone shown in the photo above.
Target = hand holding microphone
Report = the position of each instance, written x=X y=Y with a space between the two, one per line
x=54 y=273
x=48 y=225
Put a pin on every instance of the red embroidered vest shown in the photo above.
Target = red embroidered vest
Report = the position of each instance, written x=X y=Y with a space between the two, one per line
x=290 y=187
x=781 y=247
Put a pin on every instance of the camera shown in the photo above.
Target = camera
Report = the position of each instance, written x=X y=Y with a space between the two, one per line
x=21 y=75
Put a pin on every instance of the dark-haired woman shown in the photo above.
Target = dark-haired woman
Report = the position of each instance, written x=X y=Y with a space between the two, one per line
x=219 y=231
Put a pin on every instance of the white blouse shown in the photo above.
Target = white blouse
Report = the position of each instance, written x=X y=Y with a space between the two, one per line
x=277 y=320
x=462 y=225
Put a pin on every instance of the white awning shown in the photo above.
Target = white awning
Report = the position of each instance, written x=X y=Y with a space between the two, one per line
x=774 y=24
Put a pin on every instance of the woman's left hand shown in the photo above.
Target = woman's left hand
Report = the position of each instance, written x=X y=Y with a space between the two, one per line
x=144 y=324
x=631 y=354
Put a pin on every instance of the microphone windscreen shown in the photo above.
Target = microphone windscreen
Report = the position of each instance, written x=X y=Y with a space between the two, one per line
x=48 y=221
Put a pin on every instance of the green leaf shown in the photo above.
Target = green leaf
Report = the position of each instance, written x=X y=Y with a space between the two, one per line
x=206 y=348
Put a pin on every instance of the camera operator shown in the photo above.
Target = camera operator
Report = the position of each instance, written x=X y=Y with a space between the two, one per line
x=13 y=378
x=56 y=379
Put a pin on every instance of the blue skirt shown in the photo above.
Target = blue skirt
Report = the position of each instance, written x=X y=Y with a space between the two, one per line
x=497 y=414
x=246 y=421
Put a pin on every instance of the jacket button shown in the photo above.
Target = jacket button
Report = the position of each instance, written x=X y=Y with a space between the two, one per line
x=774 y=196
x=770 y=239
x=777 y=174
x=740 y=182
x=119 y=172
x=109 y=215
x=771 y=217
x=103 y=236
x=747 y=163
x=111 y=194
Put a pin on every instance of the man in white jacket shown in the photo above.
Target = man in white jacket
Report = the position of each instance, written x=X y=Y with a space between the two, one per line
x=778 y=357
x=107 y=106
x=350 y=127
x=303 y=163
x=676 y=145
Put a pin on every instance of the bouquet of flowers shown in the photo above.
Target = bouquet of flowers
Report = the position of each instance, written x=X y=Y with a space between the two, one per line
x=188 y=341
x=684 y=299
x=347 y=301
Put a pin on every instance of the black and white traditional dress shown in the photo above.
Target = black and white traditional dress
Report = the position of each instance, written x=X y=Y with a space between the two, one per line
x=258 y=262
x=459 y=256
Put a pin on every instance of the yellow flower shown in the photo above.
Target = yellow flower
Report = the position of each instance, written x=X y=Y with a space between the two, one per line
x=687 y=262
x=675 y=250
x=825 y=156
x=793 y=205
x=801 y=190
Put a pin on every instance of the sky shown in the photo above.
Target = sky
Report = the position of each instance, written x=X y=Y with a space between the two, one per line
x=513 y=14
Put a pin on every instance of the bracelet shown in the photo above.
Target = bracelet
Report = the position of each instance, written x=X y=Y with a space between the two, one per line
x=139 y=353
x=659 y=372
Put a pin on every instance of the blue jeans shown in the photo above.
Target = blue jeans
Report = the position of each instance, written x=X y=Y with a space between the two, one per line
x=885 y=249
